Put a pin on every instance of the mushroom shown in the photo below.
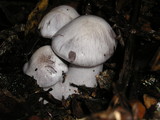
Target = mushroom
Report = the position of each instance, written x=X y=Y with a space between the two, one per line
x=45 y=67
x=56 y=19
x=86 y=43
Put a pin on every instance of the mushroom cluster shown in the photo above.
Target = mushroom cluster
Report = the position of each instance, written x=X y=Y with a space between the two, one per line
x=85 y=42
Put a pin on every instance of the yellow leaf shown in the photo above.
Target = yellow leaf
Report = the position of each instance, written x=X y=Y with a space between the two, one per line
x=35 y=16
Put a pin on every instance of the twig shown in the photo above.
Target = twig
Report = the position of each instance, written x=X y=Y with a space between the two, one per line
x=126 y=72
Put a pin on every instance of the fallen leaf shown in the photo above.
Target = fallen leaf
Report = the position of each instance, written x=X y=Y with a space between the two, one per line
x=35 y=16
x=149 y=101
x=138 y=109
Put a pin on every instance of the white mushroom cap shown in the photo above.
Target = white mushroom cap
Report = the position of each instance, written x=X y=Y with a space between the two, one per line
x=85 y=41
x=56 y=19
x=45 y=67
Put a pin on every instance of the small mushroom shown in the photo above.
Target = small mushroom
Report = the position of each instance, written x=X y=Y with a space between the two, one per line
x=56 y=19
x=86 y=43
x=45 y=67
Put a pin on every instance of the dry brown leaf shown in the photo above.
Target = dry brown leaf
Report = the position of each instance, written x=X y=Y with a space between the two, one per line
x=149 y=101
x=35 y=16
x=119 y=113
x=138 y=109
x=117 y=110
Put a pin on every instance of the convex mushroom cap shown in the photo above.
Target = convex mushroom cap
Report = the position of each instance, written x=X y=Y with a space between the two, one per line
x=85 y=41
x=45 y=67
x=56 y=19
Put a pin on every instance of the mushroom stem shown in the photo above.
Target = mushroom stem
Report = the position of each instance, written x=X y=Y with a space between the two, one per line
x=83 y=75
x=78 y=76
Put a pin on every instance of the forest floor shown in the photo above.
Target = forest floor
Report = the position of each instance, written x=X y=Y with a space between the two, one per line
x=129 y=86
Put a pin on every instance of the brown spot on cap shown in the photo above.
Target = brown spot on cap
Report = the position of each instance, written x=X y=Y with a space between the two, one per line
x=72 y=56
x=36 y=69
